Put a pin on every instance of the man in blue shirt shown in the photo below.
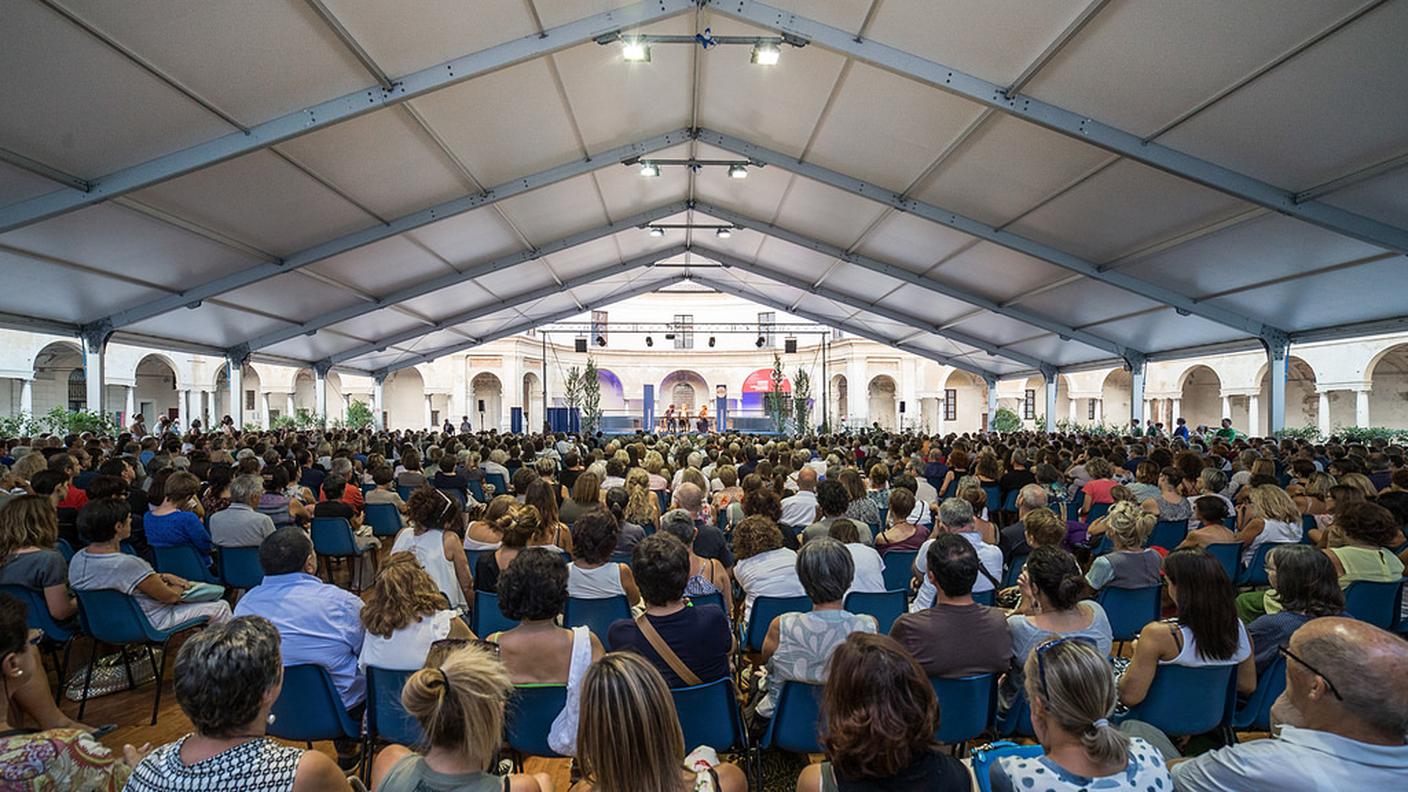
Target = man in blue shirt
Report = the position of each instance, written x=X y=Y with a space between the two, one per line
x=318 y=623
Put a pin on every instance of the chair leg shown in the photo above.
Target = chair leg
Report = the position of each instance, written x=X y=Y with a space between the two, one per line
x=88 y=679
x=160 y=674
x=127 y=665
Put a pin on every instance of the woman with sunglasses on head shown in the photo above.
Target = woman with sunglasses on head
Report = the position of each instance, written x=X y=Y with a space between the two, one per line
x=1072 y=692
x=434 y=538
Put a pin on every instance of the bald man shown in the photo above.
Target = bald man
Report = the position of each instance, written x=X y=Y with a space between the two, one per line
x=799 y=510
x=1343 y=719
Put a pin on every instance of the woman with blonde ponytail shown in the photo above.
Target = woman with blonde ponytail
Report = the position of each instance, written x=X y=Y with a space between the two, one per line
x=1072 y=693
x=1130 y=565
x=460 y=707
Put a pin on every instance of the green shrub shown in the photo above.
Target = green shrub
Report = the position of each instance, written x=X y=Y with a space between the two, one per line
x=1005 y=421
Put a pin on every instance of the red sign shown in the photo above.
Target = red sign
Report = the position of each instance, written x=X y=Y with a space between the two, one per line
x=760 y=381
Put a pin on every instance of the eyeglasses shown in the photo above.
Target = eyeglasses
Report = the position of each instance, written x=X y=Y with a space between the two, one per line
x=1047 y=647
x=1285 y=652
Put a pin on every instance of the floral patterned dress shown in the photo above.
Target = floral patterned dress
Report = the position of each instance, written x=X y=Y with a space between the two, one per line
x=59 y=759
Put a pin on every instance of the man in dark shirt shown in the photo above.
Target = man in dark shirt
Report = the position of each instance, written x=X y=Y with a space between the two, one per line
x=698 y=635
x=709 y=543
x=1019 y=476
x=1013 y=539
x=311 y=475
x=332 y=506
x=986 y=647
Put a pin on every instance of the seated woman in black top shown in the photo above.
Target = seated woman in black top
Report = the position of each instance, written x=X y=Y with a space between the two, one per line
x=698 y=636
x=517 y=526
x=880 y=715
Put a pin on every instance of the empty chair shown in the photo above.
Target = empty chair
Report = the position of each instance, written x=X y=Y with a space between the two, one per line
x=596 y=615
x=885 y=606
x=530 y=713
x=967 y=707
x=309 y=709
x=1377 y=603
x=1129 y=609
x=765 y=609
x=183 y=561
x=238 y=567
x=899 y=568
x=795 y=719
x=383 y=518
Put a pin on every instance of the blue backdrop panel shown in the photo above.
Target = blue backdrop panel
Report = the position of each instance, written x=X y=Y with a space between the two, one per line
x=515 y=420
x=721 y=412
x=564 y=419
x=649 y=417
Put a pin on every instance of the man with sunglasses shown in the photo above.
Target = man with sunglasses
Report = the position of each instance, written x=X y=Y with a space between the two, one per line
x=1342 y=718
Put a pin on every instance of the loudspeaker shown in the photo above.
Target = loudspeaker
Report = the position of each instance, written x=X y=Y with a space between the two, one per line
x=901 y=408
x=790 y=346
x=481 y=405
x=580 y=345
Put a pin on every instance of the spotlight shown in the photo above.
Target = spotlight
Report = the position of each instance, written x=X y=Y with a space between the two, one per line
x=711 y=341
x=759 y=343
x=656 y=231
x=635 y=51
x=723 y=233
x=763 y=54
x=601 y=341
x=649 y=169
x=737 y=172
x=650 y=342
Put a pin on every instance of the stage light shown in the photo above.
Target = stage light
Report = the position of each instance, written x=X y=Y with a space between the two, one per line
x=649 y=169
x=650 y=342
x=737 y=172
x=766 y=54
x=635 y=51
x=711 y=341
x=761 y=340
x=723 y=233
x=601 y=341
x=656 y=231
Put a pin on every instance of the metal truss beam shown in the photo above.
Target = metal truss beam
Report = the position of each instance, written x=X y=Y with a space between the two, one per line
x=762 y=299
x=378 y=233
x=905 y=319
x=1066 y=122
x=515 y=329
x=342 y=108
x=1066 y=332
x=508 y=303
x=1179 y=302
x=447 y=280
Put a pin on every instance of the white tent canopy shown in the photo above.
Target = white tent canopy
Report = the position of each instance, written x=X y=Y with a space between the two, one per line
x=997 y=185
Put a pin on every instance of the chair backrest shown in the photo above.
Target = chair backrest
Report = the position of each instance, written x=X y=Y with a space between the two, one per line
x=476 y=488
x=183 y=561
x=239 y=567
x=530 y=714
x=497 y=479
x=1097 y=510
x=663 y=497
x=454 y=492
x=885 y=606
x=366 y=487
x=1169 y=706
x=1307 y=524
x=332 y=536
x=621 y=557
x=115 y=618
x=65 y=549
x=1016 y=721
x=386 y=718
x=472 y=556
x=1254 y=573
x=795 y=721
x=404 y=491
x=1167 y=534
x=596 y=615
x=994 y=494
x=309 y=707
x=716 y=599
x=486 y=618
x=1255 y=714
x=765 y=609
x=967 y=706
x=1377 y=603
x=884 y=514
x=36 y=612
x=1014 y=569
x=1129 y=609
x=383 y=518
x=1229 y=554
x=1009 y=501
x=987 y=598
x=709 y=715
x=898 y=568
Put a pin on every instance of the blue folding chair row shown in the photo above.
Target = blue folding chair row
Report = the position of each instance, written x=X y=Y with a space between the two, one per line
x=596 y=615
x=486 y=618
x=884 y=606
x=1378 y=603
x=183 y=561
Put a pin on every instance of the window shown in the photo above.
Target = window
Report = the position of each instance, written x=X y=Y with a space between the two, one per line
x=78 y=390
x=1029 y=405
x=599 y=328
x=837 y=334
x=950 y=405
x=684 y=331
x=249 y=401
x=1091 y=411
x=766 y=320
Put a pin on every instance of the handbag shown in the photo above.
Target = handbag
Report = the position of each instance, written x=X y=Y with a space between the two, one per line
x=110 y=674
x=985 y=756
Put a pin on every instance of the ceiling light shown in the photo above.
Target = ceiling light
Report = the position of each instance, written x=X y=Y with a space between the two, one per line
x=649 y=169
x=601 y=341
x=637 y=51
x=723 y=233
x=761 y=340
x=737 y=172
x=763 y=54
x=650 y=342
x=711 y=341
x=656 y=231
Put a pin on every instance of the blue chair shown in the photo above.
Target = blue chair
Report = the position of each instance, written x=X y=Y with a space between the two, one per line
x=367 y=488
x=1097 y=510
x=595 y=614
x=114 y=618
x=530 y=714
x=709 y=715
x=898 y=568
x=1229 y=554
x=885 y=606
x=55 y=635
x=794 y=723
x=988 y=598
x=1102 y=546
x=1231 y=523
x=309 y=708
x=994 y=494
x=884 y=514
x=1375 y=603
x=238 y=567
x=497 y=480
x=1014 y=569
x=1167 y=534
x=1129 y=609
x=1254 y=573
x=1169 y=707
x=183 y=561
x=1255 y=714
x=486 y=618
x=621 y=557
x=65 y=549
x=1017 y=721
x=967 y=707
x=404 y=492
x=1009 y=502
x=454 y=492
x=387 y=719
x=765 y=609
x=705 y=600
x=476 y=488
x=1307 y=524
x=663 y=497
x=333 y=541
x=384 y=519
x=472 y=556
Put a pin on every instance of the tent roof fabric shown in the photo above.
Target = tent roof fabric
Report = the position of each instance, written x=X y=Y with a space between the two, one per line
x=996 y=186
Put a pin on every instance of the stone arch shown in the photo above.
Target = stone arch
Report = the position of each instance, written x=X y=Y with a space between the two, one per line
x=685 y=389
x=1200 y=396
x=884 y=406
x=248 y=405
x=54 y=367
x=305 y=395
x=490 y=389
x=970 y=402
x=403 y=397
x=1302 y=402
x=157 y=389
x=613 y=394
x=533 y=416
x=840 y=398
x=1388 y=377
x=1115 y=393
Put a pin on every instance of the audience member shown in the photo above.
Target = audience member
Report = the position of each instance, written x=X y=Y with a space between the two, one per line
x=956 y=517
x=437 y=521
x=706 y=575
x=1129 y=565
x=173 y=522
x=517 y=526
x=592 y=574
x=29 y=533
x=403 y=615
x=986 y=645
x=869 y=574
x=1306 y=588
x=765 y=568
x=240 y=524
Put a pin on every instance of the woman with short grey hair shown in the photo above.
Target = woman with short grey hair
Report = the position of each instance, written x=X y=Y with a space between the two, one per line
x=798 y=645
x=227 y=678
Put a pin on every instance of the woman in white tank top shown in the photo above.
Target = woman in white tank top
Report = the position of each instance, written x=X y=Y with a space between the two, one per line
x=592 y=574
x=403 y=616
x=440 y=552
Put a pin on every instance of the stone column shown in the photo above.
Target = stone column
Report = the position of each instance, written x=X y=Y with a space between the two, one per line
x=1177 y=412
x=1226 y=407
x=1253 y=415
x=1322 y=420
x=1074 y=412
x=130 y=407
x=1361 y=407
x=289 y=406
x=27 y=396
x=264 y=409
x=1099 y=411
x=425 y=421
x=378 y=402
x=183 y=409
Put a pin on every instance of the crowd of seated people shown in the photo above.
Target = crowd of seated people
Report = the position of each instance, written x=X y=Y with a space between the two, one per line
x=743 y=518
